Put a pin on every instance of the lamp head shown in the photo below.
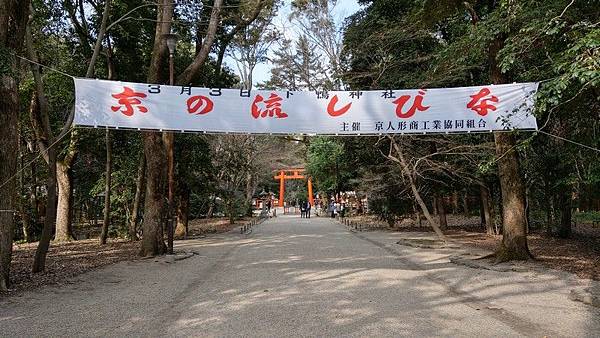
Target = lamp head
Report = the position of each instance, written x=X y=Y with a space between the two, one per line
x=171 y=42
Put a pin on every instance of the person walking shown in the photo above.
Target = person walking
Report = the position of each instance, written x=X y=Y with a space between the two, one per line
x=308 y=207
x=302 y=210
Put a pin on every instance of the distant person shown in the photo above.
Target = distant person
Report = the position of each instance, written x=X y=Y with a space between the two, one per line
x=332 y=209
x=302 y=210
x=308 y=207
x=269 y=206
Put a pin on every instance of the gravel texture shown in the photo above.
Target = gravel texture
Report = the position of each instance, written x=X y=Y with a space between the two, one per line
x=296 y=277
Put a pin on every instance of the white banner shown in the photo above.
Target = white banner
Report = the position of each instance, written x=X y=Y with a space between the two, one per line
x=115 y=104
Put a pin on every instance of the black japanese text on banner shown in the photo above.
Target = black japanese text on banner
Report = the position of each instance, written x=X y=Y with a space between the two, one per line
x=114 y=104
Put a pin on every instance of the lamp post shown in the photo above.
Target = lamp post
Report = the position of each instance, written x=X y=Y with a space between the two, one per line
x=169 y=140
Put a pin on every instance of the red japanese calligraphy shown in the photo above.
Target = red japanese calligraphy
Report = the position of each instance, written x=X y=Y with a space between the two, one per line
x=128 y=99
x=331 y=107
x=199 y=105
x=479 y=102
x=417 y=105
x=273 y=107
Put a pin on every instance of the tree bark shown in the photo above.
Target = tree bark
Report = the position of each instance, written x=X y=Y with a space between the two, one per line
x=211 y=206
x=139 y=186
x=564 y=229
x=514 y=229
x=455 y=202
x=183 y=212
x=465 y=200
x=40 y=123
x=23 y=198
x=107 y=184
x=13 y=20
x=441 y=212
x=9 y=145
x=63 y=210
x=152 y=240
x=154 y=148
x=486 y=210
x=514 y=218
x=39 y=261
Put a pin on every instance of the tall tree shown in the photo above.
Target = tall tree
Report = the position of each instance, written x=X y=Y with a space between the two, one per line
x=57 y=218
x=13 y=20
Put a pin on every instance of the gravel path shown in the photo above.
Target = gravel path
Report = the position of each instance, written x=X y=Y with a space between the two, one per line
x=300 y=277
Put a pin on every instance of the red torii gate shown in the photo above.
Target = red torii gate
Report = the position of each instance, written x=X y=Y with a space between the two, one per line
x=293 y=174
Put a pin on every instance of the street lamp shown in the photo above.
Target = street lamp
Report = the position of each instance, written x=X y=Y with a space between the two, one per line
x=171 y=40
x=169 y=140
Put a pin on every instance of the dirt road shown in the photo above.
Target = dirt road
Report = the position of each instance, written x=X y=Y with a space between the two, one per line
x=301 y=277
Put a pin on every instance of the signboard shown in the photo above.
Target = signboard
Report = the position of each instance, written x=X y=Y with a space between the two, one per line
x=101 y=103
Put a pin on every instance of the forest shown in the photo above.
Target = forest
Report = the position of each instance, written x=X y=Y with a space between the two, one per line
x=60 y=183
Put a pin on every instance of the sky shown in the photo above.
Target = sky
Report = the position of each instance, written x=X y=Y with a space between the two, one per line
x=343 y=9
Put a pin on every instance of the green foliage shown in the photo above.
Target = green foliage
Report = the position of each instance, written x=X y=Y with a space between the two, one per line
x=587 y=217
x=327 y=164
x=395 y=44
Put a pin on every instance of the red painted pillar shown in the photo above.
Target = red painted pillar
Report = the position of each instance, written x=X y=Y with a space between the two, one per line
x=281 y=187
x=310 y=193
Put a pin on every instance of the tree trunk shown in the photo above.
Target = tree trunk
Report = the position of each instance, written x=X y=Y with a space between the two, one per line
x=486 y=210
x=547 y=206
x=211 y=206
x=152 y=240
x=514 y=229
x=441 y=212
x=23 y=198
x=13 y=20
x=409 y=175
x=139 y=186
x=9 y=145
x=63 y=210
x=39 y=261
x=183 y=212
x=231 y=210
x=564 y=229
x=481 y=214
x=250 y=190
x=154 y=147
x=514 y=218
x=220 y=57
x=465 y=200
x=191 y=71
x=455 y=202
x=434 y=204
x=107 y=184
x=33 y=200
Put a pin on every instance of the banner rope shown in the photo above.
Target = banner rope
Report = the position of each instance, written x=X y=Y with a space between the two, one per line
x=42 y=65
x=570 y=141
x=26 y=165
